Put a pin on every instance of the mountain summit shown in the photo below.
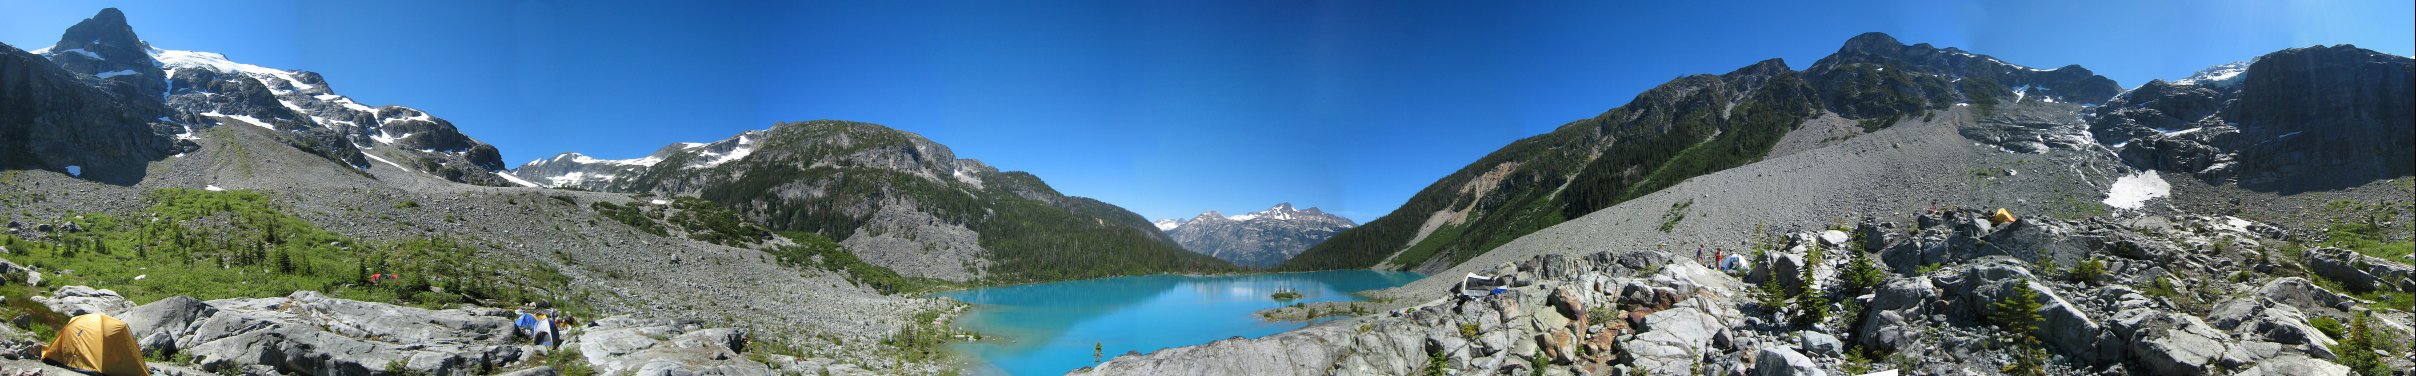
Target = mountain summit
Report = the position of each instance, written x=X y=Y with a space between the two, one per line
x=1257 y=239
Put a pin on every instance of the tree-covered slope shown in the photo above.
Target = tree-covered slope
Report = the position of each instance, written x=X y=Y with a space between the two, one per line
x=897 y=200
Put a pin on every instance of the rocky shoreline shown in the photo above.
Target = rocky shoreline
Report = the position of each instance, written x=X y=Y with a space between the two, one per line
x=2169 y=302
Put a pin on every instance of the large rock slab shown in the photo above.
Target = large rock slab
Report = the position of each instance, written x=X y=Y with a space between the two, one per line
x=310 y=333
x=79 y=300
x=1780 y=361
x=636 y=346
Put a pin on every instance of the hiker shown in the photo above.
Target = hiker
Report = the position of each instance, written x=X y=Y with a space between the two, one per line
x=1717 y=255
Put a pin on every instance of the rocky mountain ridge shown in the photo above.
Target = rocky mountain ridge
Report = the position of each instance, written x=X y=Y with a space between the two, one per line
x=1257 y=239
x=895 y=199
x=1692 y=126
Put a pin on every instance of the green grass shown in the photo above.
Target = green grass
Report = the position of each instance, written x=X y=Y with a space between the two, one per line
x=2368 y=239
x=1677 y=212
x=234 y=244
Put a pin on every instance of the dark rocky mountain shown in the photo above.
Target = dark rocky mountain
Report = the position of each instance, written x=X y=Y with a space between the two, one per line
x=135 y=103
x=1259 y=239
x=75 y=107
x=894 y=199
x=2297 y=120
x=1692 y=126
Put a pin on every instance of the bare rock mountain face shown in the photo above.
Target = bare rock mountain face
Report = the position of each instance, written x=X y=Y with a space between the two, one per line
x=134 y=103
x=1259 y=239
x=2303 y=119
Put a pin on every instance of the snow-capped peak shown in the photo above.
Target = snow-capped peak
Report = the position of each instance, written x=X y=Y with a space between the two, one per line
x=2224 y=75
x=584 y=159
x=1280 y=212
x=744 y=146
x=1168 y=224
x=172 y=59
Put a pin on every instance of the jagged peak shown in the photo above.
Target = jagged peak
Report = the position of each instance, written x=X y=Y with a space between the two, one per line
x=1768 y=67
x=108 y=28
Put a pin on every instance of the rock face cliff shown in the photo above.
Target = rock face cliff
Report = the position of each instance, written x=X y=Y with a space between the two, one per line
x=2297 y=120
x=1258 y=239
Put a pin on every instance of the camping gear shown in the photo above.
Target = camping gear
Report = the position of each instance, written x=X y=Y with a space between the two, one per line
x=97 y=343
x=2001 y=217
x=546 y=333
x=1733 y=262
x=1481 y=285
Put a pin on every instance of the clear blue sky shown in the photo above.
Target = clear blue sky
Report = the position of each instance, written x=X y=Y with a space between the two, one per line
x=1166 y=108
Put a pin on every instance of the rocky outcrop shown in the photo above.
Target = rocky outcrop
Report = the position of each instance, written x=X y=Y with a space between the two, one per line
x=2296 y=120
x=2360 y=271
x=79 y=300
x=623 y=345
x=310 y=333
x=2158 y=311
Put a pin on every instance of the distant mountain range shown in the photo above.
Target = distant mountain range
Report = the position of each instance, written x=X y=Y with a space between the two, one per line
x=1259 y=239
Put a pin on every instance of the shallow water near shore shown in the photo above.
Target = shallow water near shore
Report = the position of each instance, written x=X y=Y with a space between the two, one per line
x=1050 y=328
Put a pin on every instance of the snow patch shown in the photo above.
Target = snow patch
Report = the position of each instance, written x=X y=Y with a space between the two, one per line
x=246 y=119
x=373 y=156
x=169 y=59
x=2134 y=190
x=659 y=202
x=2019 y=92
x=507 y=176
x=574 y=178
x=2221 y=75
x=746 y=146
x=80 y=51
x=213 y=188
x=1168 y=224
x=115 y=73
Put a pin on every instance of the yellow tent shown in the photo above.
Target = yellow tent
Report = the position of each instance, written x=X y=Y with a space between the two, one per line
x=97 y=343
x=2002 y=217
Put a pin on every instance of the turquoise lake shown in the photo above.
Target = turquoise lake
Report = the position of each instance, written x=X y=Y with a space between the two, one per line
x=1049 y=328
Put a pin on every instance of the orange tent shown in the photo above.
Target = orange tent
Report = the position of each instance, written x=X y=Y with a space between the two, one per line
x=97 y=343
x=2002 y=217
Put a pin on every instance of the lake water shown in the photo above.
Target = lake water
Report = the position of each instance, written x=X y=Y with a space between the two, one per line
x=1050 y=328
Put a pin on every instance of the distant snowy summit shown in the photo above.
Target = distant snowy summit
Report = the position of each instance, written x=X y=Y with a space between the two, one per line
x=1257 y=239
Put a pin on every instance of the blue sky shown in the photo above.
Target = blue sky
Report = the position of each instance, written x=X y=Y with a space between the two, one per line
x=1165 y=108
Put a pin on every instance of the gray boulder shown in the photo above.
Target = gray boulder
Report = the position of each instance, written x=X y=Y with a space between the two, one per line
x=1780 y=361
x=2165 y=343
x=1677 y=338
x=2298 y=292
x=1819 y=343
x=623 y=345
x=2260 y=319
x=2359 y=271
x=1900 y=299
x=310 y=333
x=78 y=300
x=2294 y=365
